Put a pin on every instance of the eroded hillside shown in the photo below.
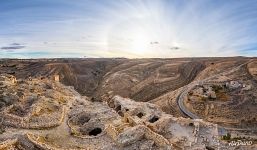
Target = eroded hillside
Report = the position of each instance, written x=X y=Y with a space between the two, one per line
x=140 y=79
x=168 y=83
x=44 y=114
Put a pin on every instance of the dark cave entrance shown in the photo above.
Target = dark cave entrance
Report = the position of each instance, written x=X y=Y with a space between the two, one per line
x=95 y=132
x=154 y=119
x=140 y=115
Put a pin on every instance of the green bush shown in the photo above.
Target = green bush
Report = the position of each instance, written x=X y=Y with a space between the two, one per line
x=226 y=137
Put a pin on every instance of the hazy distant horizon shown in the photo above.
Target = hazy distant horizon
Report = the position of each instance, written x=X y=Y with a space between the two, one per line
x=194 y=57
x=130 y=29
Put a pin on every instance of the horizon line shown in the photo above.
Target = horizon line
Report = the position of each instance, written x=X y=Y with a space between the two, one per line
x=126 y=57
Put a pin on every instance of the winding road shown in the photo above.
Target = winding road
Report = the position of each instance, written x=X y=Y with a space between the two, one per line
x=186 y=89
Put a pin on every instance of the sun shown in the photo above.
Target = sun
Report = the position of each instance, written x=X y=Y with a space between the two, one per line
x=140 y=43
x=132 y=38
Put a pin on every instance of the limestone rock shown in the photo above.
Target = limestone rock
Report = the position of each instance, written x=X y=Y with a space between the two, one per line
x=131 y=135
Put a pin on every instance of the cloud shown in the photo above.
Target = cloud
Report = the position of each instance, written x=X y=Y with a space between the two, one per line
x=12 y=47
x=154 y=42
x=15 y=44
x=175 y=48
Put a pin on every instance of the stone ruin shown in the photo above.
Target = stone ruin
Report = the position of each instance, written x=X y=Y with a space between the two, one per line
x=25 y=105
x=146 y=121
x=204 y=91
x=56 y=78
x=59 y=118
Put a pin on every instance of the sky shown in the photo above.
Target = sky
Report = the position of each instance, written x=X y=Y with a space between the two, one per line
x=127 y=28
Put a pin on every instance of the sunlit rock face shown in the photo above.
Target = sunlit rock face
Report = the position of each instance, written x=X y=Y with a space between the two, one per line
x=55 y=116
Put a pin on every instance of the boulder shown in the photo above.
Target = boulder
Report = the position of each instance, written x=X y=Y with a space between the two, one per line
x=130 y=135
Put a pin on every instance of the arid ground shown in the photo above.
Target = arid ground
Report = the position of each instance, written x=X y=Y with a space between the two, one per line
x=220 y=91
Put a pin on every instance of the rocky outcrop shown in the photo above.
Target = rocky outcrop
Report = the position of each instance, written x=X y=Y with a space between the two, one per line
x=60 y=118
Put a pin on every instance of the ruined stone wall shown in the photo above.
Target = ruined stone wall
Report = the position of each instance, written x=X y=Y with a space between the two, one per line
x=43 y=122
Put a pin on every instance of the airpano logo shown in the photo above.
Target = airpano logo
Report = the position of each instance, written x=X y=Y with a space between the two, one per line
x=240 y=143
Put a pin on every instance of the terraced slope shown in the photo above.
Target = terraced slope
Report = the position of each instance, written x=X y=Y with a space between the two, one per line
x=141 y=79
x=148 y=79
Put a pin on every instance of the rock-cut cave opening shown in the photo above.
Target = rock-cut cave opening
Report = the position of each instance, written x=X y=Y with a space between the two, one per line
x=95 y=132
